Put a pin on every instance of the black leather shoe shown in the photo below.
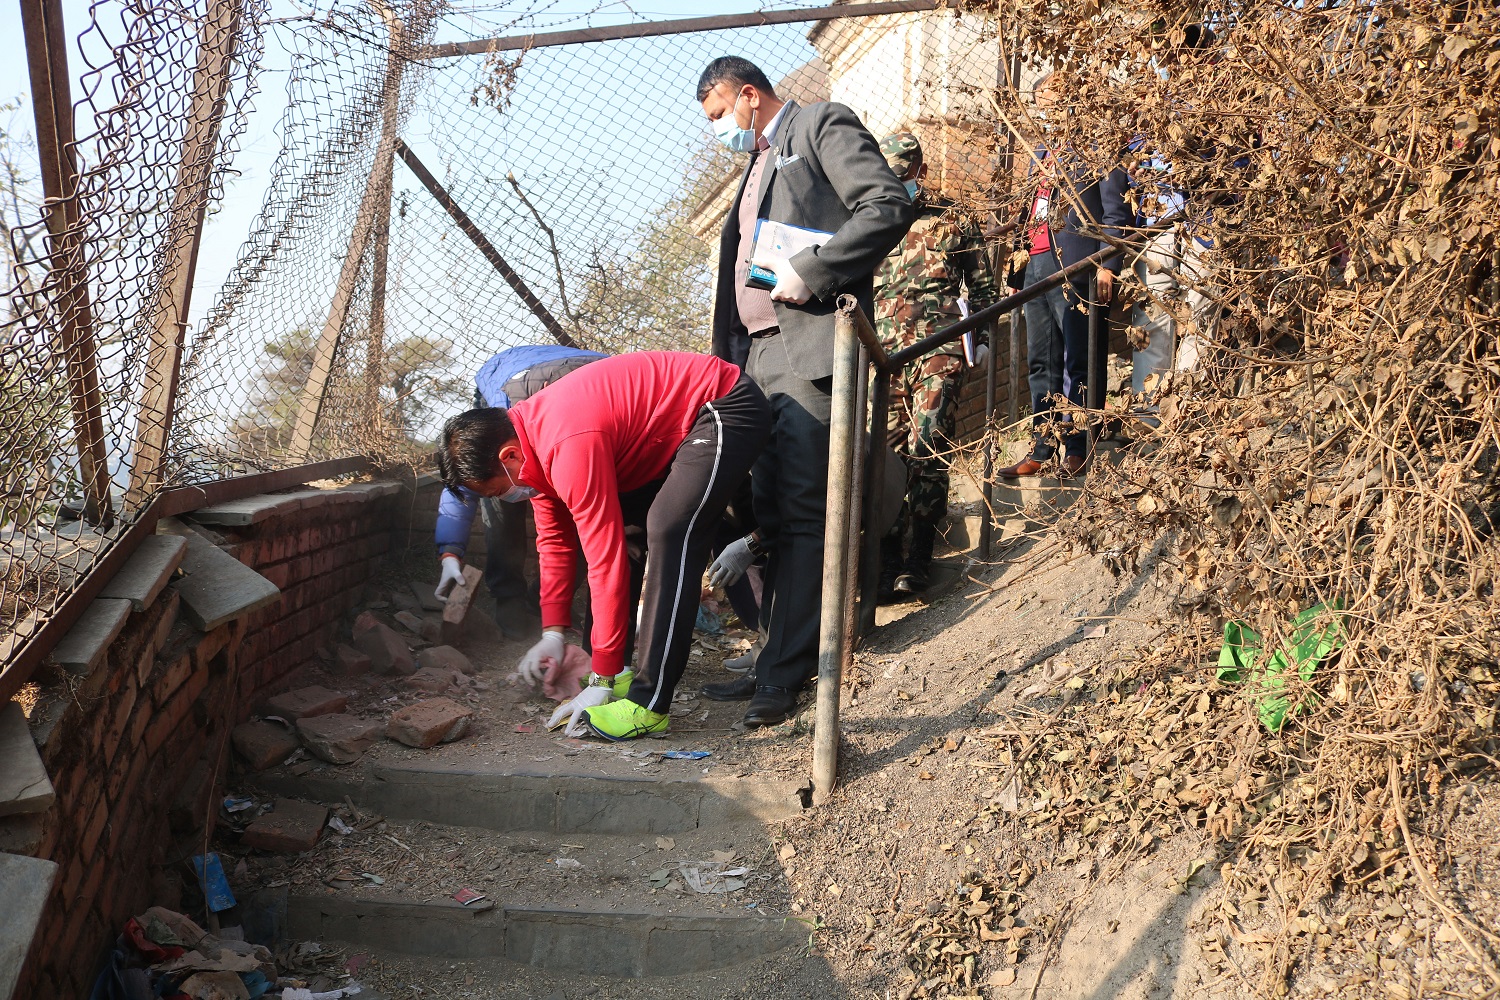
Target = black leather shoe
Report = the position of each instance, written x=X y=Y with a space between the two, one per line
x=742 y=689
x=770 y=706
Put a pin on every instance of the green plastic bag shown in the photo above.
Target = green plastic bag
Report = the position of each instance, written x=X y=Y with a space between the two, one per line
x=1316 y=633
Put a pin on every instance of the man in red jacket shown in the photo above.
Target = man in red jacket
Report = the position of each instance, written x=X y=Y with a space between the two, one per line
x=665 y=436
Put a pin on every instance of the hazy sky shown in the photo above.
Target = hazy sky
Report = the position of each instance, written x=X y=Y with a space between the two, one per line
x=260 y=141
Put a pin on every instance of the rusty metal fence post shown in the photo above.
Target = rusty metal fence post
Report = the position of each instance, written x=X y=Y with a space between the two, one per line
x=843 y=439
x=166 y=315
x=52 y=103
x=373 y=212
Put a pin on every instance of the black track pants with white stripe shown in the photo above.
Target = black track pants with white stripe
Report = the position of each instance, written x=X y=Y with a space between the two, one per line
x=708 y=468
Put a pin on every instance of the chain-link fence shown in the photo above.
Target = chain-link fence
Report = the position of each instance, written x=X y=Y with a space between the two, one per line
x=359 y=309
x=96 y=288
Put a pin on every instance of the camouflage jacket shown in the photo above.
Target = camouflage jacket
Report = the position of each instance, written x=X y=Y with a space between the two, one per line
x=918 y=286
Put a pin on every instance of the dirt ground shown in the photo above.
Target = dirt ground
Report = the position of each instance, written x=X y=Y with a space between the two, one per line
x=929 y=873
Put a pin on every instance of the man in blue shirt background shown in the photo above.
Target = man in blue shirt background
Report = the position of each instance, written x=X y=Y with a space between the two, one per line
x=505 y=379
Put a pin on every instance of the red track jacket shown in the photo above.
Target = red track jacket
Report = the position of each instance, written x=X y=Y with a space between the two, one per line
x=608 y=428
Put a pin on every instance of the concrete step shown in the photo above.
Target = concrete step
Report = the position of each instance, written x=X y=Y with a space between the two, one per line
x=596 y=904
x=508 y=801
x=616 y=944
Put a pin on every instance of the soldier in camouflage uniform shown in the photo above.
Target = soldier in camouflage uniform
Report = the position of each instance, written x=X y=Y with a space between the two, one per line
x=917 y=290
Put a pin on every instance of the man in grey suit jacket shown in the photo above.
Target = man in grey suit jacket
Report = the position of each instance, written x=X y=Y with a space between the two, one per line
x=819 y=168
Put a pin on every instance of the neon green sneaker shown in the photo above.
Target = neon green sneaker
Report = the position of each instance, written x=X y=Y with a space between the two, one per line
x=624 y=720
x=622 y=682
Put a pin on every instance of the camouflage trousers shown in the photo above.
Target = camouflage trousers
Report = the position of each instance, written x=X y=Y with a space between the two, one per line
x=920 y=428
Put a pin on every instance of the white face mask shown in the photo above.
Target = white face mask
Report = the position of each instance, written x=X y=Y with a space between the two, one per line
x=517 y=492
x=728 y=131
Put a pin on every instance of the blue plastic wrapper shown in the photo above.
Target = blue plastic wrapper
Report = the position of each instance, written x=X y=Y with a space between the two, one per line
x=686 y=754
x=210 y=872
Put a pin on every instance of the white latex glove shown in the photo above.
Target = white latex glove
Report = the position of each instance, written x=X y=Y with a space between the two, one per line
x=452 y=575
x=789 y=285
x=550 y=645
x=981 y=355
x=731 y=564
x=598 y=692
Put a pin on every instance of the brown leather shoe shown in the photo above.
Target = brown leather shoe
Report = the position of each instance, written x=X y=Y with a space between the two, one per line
x=1072 y=466
x=1028 y=466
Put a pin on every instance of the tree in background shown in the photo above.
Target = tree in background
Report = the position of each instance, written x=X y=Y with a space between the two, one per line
x=655 y=292
x=417 y=391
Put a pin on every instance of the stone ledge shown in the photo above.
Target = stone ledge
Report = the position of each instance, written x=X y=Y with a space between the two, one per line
x=150 y=567
x=24 y=785
x=25 y=884
x=253 y=510
x=82 y=649
x=218 y=588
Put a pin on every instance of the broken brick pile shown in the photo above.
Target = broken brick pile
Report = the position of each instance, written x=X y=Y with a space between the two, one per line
x=316 y=719
x=132 y=744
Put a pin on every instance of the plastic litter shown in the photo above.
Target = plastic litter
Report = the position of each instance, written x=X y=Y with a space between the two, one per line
x=297 y=993
x=468 y=897
x=686 y=754
x=210 y=872
x=1315 y=634
x=568 y=863
x=338 y=826
x=235 y=804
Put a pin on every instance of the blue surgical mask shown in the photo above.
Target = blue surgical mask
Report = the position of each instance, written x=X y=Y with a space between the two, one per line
x=911 y=189
x=728 y=131
x=517 y=492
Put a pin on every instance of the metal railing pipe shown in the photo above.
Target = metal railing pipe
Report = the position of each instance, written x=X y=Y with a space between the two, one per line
x=843 y=438
x=986 y=493
x=994 y=311
x=869 y=552
x=860 y=509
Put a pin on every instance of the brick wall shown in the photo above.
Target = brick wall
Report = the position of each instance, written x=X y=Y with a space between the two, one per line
x=136 y=750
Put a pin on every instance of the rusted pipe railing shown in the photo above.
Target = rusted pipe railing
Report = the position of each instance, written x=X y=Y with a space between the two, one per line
x=843 y=440
x=986 y=527
x=653 y=29
x=848 y=567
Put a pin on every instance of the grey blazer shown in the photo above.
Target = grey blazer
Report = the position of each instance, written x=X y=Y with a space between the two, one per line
x=826 y=173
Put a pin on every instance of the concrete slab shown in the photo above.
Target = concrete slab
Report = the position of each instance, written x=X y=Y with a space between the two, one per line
x=25 y=884
x=612 y=943
x=250 y=510
x=218 y=587
x=147 y=571
x=24 y=785
x=86 y=642
x=545 y=803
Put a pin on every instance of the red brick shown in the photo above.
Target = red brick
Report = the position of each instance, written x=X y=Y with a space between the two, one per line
x=174 y=713
x=122 y=794
x=177 y=672
x=191 y=800
x=95 y=817
x=445 y=657
x=304 y=703
x=338 y=739
x=350 y=662
x=291 y=828
x=263 y=744
x=428 y=723
x=387 y=650
x=119 y=716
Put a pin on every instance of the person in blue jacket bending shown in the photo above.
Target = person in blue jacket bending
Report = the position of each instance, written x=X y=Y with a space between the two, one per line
x=504 y=380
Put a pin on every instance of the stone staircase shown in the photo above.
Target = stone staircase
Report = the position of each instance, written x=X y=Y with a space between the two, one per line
x=585 y=875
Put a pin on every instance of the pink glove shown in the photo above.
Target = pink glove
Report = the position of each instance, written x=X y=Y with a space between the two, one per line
x=561 y=681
